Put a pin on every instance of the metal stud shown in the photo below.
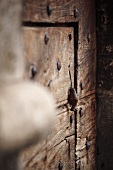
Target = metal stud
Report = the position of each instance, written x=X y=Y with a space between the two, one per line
x=71 y=119
x=75 y=13
x=87 y=143
x=70 y=37
x=33 y=71
x=82 y=85
x=72 y=98
x=46 y=38
x=60 y=165
x=69 y=150
x=49 y=10
x=81 y=112
x=49 y=83
x=59 y=65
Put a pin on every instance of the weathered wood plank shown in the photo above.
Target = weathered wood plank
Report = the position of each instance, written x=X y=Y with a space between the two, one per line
x=45 y=58
x=86 y=74
x=87 y=162
x=50 y=11
x=86 y=126
x=86 y=117
x=49 y=159
x=86 y=49
x=63 y=129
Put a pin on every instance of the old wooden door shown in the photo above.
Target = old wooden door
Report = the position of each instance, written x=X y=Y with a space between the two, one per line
x=59 y=39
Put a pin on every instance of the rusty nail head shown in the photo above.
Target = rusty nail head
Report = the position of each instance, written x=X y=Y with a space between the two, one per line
x=49 y=10
x=81 y=112
x=87 y=143
x=70 y=37
x=75 y=13
x=60 y=165
x=46 y=38
x=82 y=85
x=72 y=98
x=33 y=71
x=71 y=119
x=49 y=84
x=59 y=65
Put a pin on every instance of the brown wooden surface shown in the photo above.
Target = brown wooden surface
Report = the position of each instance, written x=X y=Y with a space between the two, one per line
x=49 y=159
x=44 y=57
x=86 y=118
x=61 y=11
x=60 y=144
x=86 y=128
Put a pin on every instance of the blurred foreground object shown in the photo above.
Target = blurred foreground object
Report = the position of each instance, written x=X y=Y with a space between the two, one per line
x=26 y=109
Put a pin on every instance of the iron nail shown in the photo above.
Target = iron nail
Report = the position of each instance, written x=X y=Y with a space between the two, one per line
x=82 y=85
x=87 y=143
x=75 y=13
x=33 y=71
x=70 y=37
x=81 y=112
x=59 y=65
x=71 y=119
x=60 y=165
x=49 y=10
x=49 y=83
x=46 y=38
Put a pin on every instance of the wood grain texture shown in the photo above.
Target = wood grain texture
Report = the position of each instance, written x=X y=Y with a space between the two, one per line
x=86 y=115
x=60 y=144
x=87 y=50
x=46 y=56
x=86 y=129
x=49 y=159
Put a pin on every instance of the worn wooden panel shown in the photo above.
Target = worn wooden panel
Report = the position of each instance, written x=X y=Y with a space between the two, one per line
x=87 y=50
x=50 y=11
x=87 y=162
x=86 y=115
x=86 y=131
x=45 y=58
x=60 y=145
x=62 y=129
x=49 y=159
x=86 y=73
